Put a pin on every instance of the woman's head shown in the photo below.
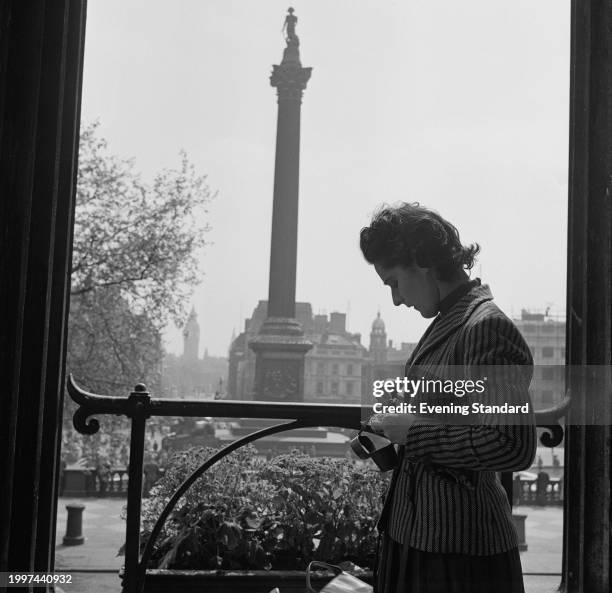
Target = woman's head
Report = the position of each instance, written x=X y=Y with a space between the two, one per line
x=411 y=235
x=417 y=253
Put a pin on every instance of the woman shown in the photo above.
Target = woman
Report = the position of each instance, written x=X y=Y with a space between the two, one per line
x=446 y=524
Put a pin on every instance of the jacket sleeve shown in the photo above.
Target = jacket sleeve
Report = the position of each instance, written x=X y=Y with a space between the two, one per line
x=492 y=347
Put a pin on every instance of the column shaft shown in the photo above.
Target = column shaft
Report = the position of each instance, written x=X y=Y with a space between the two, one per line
x=283 y=252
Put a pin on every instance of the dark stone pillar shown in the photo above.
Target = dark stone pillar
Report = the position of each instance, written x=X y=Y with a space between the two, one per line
x=587 y=559
x=41 y=56
x=74 y=525
x=280 y=346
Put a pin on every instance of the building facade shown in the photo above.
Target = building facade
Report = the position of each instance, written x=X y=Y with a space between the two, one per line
x=338 y=368
x=545 y=336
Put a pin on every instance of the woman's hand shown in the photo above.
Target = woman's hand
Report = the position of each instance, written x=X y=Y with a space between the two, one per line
x=393 y=426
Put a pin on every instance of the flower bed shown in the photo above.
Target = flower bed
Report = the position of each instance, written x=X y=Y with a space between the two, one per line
x=249 y=514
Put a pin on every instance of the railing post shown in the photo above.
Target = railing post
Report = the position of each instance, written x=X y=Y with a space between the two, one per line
x=139 y=413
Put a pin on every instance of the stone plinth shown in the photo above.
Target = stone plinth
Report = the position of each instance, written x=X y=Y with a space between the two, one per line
x=280 y=348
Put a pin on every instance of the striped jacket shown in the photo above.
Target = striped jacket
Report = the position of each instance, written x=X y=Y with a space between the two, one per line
x=445 y=495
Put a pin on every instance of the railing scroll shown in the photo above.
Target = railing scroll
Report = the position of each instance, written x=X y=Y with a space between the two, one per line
x=548 y=419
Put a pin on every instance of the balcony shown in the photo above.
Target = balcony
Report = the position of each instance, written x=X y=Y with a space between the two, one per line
x=139 y=406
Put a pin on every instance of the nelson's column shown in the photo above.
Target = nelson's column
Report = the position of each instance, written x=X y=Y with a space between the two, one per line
x=280 y=345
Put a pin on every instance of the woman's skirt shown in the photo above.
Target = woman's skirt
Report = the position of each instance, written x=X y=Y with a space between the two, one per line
x=402 y=569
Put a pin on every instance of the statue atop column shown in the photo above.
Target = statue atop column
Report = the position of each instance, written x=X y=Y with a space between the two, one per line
x=289 y=28
x=291 y=54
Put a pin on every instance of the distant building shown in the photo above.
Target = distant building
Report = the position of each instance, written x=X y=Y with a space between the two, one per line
x=338 y=368
x=336 y=365
x=333 y=367
x=387 y=362
x=189 y=376
x=378 y=341
x=545 y=336
x=191 y=337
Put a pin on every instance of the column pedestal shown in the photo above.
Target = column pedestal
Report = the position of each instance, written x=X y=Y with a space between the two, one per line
x=280 y=348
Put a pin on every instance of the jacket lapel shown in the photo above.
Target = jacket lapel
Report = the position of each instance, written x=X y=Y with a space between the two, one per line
x=443 y=326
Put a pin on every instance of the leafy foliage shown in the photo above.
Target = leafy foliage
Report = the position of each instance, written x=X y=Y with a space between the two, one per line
x=135 y=263
x=144 y=240
x=247 y=513
x=111 y=348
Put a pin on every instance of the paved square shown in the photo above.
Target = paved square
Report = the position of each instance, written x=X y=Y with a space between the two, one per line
x=544 y=535
x=104 y=532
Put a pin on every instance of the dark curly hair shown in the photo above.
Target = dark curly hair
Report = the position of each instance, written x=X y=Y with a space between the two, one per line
x=410 y=234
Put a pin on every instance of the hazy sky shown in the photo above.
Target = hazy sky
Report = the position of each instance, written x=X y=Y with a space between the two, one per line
x=462 y=106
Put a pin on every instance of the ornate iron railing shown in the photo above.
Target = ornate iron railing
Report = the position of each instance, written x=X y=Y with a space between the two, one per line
x=139 y=406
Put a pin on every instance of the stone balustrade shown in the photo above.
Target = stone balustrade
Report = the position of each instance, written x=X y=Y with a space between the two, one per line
x=539 y=491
